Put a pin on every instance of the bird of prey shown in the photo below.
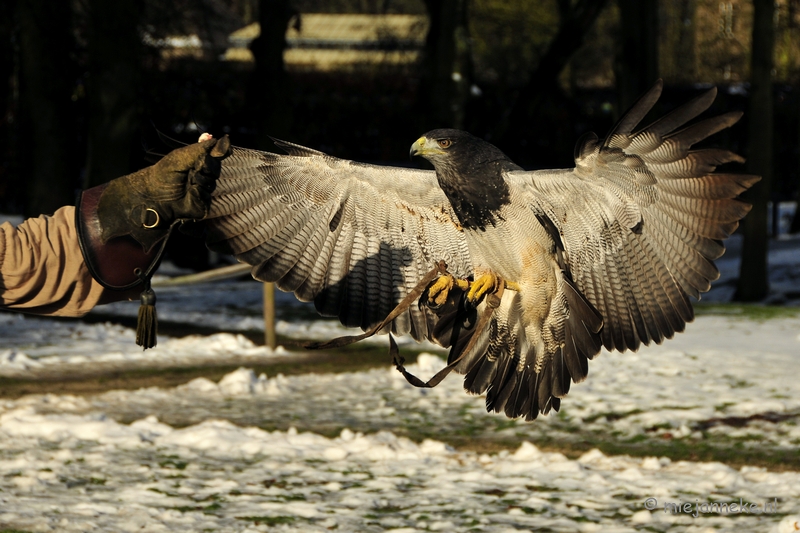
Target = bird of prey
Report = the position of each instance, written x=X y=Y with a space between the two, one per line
x=604 y=254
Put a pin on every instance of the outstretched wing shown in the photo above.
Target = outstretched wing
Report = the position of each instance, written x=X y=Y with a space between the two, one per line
x=641 y=220
x=351 y=237
x=635 y=229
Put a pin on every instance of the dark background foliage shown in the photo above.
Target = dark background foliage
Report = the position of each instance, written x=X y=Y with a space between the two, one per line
x=91 y=89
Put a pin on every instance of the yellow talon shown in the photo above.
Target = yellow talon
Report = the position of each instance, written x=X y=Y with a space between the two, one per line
x=439 y=290
x=482 y=284
x=489 y=284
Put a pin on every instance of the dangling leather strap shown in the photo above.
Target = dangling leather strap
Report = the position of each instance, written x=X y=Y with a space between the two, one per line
x=119 y=264
x=416 y=292
x=492 y=302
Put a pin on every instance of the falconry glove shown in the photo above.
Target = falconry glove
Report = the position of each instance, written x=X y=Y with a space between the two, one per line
x=123 y=225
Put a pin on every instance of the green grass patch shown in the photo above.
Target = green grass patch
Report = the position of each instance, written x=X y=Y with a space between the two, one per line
x=267 y=520
x=354 y=358
x=610 y=416
x=173 y=462
x=207 y=509
x=750 y=311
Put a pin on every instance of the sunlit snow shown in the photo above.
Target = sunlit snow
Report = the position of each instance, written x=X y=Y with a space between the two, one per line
x=321 y=452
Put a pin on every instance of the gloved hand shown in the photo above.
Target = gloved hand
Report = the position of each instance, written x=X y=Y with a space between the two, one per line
x=146 y=203
x=121 y=222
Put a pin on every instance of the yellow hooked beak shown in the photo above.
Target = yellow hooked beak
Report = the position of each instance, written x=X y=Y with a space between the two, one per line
x=423 y=147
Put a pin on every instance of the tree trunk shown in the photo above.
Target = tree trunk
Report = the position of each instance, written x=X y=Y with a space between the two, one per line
x=794 y=227
x=677 y=23
x=46 y=82
x=753 y=284
x=447 y=65
x=269 y=89
x=575 y=23
x=113 y=88
x=637 y=60
x=10 y=197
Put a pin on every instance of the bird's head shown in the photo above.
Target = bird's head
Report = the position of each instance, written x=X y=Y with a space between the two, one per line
x=457 y=154
x=470 y=172
x=444 y=146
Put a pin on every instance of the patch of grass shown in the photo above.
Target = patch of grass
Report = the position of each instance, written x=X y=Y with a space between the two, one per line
x=388 y=509
x=750 y=311
x=81 y=482
x=354 y=358
x=293 y=497
x=723 y=406
x=267 y=520
x=531 y=510
x=208 y=509
x=165 y=493
x=731 y=452
x=740 y=384
x=541 y=488
x=173 y=462
x=611 y=416
x=492 y=492
x=505 y=423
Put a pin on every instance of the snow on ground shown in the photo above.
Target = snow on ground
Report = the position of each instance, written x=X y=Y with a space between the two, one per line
x=323 y=452
x=719 y=368
x=85 y=473
x=193 y=457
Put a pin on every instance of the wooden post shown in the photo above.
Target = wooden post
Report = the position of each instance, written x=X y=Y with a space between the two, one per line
x=270 y=339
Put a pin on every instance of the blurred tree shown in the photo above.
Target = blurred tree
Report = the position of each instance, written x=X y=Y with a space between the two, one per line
x=46 y=78
x=789 y=30
x=636 y=65
x=447 y=65
x=113 y=92
x=269 y=87
x=678 y=23
x=723 y=35
x=508 y=38
x=753 y=284
x=360 y=6
x=9 y=187
x=575 y=20
x=247 y=9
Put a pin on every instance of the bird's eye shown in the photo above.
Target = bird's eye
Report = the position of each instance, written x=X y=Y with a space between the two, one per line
x=445 y=143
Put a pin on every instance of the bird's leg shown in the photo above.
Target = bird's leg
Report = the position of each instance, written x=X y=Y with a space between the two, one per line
x=439 y=290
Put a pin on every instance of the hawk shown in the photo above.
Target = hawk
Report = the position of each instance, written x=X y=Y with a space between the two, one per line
x=606 y=254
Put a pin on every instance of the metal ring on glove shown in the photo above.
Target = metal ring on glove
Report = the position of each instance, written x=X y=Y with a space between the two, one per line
x=154 y=224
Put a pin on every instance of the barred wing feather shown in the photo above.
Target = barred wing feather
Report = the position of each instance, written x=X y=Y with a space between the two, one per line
x=642 y=217
x=351 y=237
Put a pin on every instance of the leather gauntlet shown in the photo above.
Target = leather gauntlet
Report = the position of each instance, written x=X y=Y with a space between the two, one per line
x=123 y=225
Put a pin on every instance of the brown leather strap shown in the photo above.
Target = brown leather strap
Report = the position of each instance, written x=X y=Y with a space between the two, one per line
x=416 y=292
x=492 y=303
x=119 y=264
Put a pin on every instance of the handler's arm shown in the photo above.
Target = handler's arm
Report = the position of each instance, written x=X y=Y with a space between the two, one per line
x=105 y=249
x=42 y=270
